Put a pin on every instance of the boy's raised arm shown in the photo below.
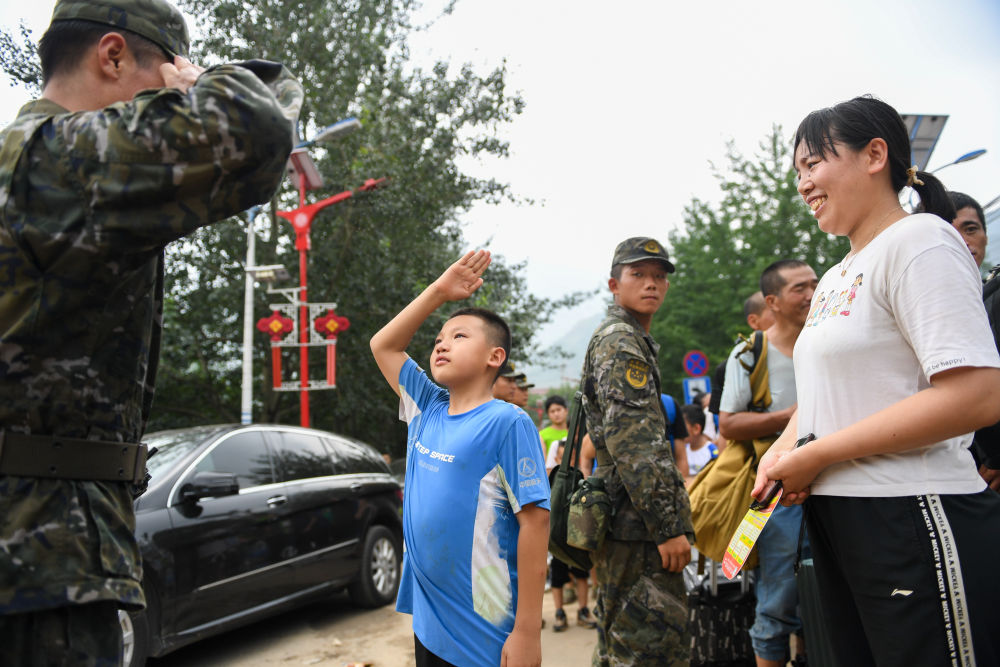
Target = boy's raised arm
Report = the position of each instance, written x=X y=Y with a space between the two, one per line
x=458 y=282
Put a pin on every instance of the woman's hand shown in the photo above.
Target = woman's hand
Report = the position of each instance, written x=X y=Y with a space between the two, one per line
x=796 y=469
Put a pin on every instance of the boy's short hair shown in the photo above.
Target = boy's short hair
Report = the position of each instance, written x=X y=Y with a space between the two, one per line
x=694 y=415
x=555 y=399
x=497 y=330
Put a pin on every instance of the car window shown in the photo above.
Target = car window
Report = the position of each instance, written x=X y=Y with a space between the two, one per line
x=301 y=456
x=245 y=454
x=354 y=458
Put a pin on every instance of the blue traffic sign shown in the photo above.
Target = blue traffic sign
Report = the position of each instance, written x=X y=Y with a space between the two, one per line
x=696 y=363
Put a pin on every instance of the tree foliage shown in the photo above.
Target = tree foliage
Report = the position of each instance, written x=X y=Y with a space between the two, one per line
x=19 y=59
x=722 y=249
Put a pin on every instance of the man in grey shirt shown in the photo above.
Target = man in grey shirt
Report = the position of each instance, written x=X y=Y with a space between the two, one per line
x=788 y=286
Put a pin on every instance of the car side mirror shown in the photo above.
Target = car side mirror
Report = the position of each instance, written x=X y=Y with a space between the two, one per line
x=210 y=485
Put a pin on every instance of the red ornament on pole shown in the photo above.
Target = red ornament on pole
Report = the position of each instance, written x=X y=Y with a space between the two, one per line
x=277 y=327
x=331 y=325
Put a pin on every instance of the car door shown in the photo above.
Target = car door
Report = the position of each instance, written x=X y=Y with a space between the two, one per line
x=321 y=507
x=228 y=551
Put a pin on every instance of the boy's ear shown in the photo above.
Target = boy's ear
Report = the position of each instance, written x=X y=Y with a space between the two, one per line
x=496 y=358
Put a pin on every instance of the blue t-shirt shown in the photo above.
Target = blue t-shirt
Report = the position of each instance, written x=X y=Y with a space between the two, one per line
x=467 y=476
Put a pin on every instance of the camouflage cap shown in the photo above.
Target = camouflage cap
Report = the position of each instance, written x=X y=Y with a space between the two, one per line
x=639 y=248
x=509 y=371
x=156 y=20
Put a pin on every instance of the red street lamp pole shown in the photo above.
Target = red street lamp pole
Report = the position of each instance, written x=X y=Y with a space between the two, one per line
x=301 y=219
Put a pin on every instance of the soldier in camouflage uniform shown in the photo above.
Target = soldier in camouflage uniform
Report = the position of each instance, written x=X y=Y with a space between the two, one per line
x=641 y=609
x=130 y=147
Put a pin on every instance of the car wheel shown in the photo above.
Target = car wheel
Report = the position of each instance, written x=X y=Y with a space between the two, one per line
x=381 y=564
x=135 y=634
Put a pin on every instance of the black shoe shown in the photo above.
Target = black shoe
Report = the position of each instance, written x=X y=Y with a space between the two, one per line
x=584 y=618
x=561 y=622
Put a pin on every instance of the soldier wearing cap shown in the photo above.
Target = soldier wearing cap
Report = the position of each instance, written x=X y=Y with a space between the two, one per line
x=505 y=384
x=642 y=616
x=130 y=147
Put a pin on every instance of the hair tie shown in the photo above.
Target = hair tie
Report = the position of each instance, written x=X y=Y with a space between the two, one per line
x=911 y=177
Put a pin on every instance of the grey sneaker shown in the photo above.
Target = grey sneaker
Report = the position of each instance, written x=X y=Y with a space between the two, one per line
x=561 y=622
x=584 y=618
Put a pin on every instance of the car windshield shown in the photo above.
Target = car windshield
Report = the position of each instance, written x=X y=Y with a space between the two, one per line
x=172 y=446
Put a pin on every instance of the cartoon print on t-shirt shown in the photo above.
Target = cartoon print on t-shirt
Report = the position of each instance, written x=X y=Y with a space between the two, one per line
x=853 y=295
x=829 y=305
x=817 y=306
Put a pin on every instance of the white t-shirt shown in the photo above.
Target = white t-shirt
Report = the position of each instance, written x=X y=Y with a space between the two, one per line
x=909 y=306
x=699 y=458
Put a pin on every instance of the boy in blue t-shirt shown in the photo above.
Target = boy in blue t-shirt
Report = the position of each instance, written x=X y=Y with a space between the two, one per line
x=475 y=511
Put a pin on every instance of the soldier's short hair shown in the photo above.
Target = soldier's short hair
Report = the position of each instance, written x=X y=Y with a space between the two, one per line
x=66 y=43
x=497 y=330
x=771 y=280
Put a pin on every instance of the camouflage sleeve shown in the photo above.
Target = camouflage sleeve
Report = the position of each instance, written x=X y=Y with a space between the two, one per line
x=634 y=433
x=153 y=169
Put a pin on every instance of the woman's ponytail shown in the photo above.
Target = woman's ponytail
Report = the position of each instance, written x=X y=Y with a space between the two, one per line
x=933 y=197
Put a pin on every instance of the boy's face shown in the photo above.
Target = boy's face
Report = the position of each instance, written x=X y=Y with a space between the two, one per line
x=694 y=430
x=642 y=286
x=557 y=414
x=462 y=352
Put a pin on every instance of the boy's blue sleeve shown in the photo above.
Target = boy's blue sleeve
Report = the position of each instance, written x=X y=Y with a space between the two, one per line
x=523 y=465
x=416 y=391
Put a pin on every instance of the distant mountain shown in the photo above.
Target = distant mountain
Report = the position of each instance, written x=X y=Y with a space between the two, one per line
x=573 y=341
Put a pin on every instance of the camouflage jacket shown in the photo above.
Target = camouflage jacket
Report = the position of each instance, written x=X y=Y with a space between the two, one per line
x=628 y=427
x=88 y=200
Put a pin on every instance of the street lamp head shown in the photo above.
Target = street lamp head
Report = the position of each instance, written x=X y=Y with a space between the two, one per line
x=971 y=155
x=338 y=130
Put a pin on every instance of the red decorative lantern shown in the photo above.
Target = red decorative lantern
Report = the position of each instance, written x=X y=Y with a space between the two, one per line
x=277 y=327
x=330 y=326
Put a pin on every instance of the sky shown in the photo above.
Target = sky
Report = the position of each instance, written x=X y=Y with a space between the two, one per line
x=629 y=103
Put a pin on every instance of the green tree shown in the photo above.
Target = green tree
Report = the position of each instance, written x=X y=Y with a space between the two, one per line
x=722 y=249
x=371 y=254
x=19 y=59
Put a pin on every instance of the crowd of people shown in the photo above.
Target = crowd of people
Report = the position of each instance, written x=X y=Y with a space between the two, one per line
x=889 y=360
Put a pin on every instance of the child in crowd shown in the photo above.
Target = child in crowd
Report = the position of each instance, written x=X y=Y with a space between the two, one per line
x=475 y=511
x=699 y=447
x=555 y=408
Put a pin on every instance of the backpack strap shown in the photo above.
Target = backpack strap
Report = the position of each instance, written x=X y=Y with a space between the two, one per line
x=760 y=389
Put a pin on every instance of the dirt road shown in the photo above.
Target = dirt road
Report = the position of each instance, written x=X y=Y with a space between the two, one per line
x=338 y=634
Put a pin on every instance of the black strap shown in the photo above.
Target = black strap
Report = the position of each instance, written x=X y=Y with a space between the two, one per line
x=802 y=536
x=574 y=439
x=57 y=457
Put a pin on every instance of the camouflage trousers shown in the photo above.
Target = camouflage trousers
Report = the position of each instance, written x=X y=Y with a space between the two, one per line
x=641 y=609
x=86 y=635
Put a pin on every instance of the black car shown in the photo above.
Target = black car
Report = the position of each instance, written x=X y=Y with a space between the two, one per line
x=240 y=522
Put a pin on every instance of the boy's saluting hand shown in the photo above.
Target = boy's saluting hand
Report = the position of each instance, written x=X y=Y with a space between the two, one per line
x=463 y=277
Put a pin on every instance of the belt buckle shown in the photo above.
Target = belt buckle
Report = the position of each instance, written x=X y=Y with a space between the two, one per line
x=139 y=468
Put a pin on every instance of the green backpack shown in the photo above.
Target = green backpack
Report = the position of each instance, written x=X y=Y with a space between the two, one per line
x=568 y=478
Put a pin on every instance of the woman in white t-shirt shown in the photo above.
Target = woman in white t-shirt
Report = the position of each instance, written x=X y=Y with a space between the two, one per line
x=894 y=369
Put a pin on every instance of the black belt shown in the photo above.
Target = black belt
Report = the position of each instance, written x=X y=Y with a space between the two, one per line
x=71 y=458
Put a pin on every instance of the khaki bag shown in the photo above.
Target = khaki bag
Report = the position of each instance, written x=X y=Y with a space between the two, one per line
x=720 y=493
